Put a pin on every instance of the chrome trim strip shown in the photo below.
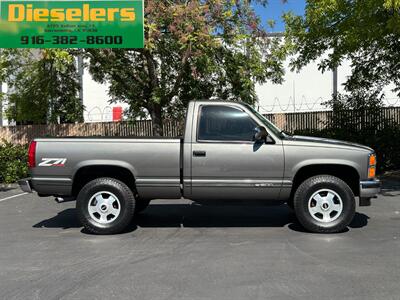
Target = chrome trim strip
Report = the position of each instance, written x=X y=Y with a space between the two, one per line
x=287 y=183
x=370 y=184
x=158 y=182
x=247 y=183
x=369 y=189
x=158 y=185
x=51 y=181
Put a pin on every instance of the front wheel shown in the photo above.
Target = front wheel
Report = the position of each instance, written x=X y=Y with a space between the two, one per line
x=324 y=204
x=105 y=206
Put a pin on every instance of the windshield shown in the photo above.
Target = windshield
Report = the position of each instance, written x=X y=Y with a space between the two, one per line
x=271 y=126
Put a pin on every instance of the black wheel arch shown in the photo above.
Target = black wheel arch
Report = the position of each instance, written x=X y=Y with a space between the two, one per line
x=344 y=172
x=88 y=173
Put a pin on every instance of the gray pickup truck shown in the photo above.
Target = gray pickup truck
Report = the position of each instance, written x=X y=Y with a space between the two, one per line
x=229 y=153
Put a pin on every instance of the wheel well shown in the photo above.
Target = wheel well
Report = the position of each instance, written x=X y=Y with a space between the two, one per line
x=87 y=174
x=346 y=173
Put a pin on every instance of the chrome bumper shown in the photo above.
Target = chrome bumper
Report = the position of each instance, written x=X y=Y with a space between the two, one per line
x=370 y=188
x=25 y=185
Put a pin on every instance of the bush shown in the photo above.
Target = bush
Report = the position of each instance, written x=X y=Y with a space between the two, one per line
x=358 y=117
x=13 y=162
x=385 y=142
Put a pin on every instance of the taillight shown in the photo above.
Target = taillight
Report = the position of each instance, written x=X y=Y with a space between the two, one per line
x=32 y=155
x=372 y=166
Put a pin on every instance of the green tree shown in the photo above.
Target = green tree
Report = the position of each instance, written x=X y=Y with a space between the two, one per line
x=194 y=50
x=359 y=116
x=43 y=86
x=367 y=32
x=13 y=162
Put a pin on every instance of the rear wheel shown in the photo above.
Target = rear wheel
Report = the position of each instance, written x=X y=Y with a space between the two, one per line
x=324 y=204
x=105 y=206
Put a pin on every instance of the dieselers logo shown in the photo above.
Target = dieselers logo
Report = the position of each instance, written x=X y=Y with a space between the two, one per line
x=28 y=13
x=40 y=24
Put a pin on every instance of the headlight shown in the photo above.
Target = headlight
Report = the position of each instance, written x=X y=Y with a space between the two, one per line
x=372 y=165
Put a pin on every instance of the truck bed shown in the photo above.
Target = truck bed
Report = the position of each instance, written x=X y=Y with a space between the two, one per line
x=154 y=162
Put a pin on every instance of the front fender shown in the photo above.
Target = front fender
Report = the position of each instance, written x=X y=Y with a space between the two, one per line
x=327 y=161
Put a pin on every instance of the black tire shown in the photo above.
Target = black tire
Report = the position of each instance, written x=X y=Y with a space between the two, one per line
x=311 y=186
x=121 y=191
x=141 y=205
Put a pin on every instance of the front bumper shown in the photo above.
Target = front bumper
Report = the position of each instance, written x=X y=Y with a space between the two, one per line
x=25 y=185
x=370 y=188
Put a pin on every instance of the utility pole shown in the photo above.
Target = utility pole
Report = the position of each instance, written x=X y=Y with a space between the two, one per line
x=1 y=99
x=294 y=96
x=1 y=104
x=335 y=82
x=80 y=78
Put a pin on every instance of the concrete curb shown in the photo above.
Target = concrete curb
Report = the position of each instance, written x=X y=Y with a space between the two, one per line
x=7 y=187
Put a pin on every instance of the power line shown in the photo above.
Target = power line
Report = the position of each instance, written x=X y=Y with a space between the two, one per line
x=304 y=105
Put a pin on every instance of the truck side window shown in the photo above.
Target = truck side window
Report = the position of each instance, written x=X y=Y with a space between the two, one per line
x=224 y=123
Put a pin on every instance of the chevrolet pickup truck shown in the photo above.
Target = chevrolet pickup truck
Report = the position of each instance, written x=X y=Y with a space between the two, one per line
x=229 y=153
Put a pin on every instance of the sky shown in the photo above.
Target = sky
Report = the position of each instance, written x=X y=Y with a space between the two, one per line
x=276 y=8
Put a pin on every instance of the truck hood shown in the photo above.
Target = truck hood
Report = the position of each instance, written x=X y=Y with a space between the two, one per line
x=325 y=141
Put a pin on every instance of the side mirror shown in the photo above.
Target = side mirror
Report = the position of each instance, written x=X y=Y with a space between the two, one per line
x=261 y=134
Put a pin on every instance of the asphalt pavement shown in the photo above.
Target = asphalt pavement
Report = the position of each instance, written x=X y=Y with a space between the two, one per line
x=180 y=250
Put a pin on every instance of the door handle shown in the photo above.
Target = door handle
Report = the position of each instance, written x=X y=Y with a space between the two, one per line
x=199 y=153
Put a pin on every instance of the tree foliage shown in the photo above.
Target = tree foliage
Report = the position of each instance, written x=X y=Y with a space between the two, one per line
x=43 y=86
x=360 y=117
x=193 y=50
x=13 y=162
x=367 y=32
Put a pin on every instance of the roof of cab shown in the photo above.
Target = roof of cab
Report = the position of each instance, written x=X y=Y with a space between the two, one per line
x=218 y=101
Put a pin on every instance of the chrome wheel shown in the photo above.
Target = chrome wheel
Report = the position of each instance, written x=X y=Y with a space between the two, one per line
x=104 y=207
x=325 y=206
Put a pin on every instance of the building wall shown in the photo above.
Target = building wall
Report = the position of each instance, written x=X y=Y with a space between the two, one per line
x=302 y=91
x=307 y=90
x=299 y=92
x=96 y=100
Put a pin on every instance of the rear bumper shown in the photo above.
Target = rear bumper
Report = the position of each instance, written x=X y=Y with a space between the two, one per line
x=370 y=188
x=47 y=186
x=25 y=185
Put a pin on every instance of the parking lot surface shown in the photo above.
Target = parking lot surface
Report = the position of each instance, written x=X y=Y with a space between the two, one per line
x=179 y=250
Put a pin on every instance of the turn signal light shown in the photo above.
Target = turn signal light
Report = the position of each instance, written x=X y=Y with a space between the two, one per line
x=372 y=160
x=371 y=172
x=372 y=166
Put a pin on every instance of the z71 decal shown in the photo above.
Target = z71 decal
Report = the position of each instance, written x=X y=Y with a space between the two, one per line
x=53 y=162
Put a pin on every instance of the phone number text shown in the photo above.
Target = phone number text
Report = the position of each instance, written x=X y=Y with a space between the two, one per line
x=72 y=40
